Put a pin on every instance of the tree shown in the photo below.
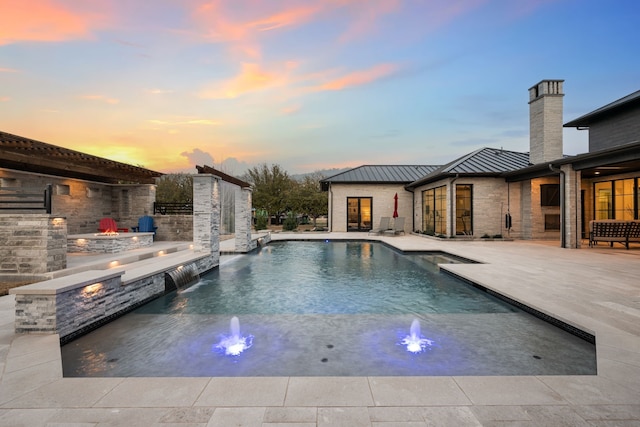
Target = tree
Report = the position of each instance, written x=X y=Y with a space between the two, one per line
x=308 y=197
x=271 y=188
x=175 y=188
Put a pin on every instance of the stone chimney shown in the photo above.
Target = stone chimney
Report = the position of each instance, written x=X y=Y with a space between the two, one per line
x=545 y=121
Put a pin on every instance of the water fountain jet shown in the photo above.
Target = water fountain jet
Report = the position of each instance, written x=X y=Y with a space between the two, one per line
x=234 y=344
x=414 y=341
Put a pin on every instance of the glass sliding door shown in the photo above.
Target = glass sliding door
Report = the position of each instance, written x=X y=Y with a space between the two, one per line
x=463 y=209
x=434 y=208
x=359 y=213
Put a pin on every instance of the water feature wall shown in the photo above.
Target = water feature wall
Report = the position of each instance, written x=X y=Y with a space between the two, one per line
x=180 y=277
x=74 y=305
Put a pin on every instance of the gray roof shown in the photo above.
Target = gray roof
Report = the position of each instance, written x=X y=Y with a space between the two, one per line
x=482 y=162
x=629 y=101
x=381 y=174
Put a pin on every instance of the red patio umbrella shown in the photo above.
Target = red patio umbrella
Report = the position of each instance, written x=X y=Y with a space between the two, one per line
x=395 y=206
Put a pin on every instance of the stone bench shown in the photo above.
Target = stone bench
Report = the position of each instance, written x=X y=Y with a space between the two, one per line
x=614 y=231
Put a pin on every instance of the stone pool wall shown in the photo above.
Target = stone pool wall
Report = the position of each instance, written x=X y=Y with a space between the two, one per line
x=73 y=305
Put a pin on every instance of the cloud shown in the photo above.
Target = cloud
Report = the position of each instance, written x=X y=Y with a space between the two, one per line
x=8 y=70
x=101 y=98
x=358 y=78
x=45 y=21
x=159 y=91
x=187 y=121
x=4 y=99
x=252 y=78
x=198 y=157
x=291 y=109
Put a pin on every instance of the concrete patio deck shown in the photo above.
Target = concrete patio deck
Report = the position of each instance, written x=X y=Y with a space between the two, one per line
x=595 y=289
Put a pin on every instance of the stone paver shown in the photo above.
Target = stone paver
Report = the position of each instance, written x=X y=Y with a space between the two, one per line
x=595 y=289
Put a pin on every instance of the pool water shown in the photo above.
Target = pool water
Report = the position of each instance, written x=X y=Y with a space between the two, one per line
x=324 y=309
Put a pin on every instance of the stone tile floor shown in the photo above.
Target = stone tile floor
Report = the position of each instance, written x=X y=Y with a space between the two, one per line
x=595 y=289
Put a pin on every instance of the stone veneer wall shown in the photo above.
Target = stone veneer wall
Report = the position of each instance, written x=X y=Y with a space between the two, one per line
x=174 y=228
x=243 y=243
x=32 y=244
x=73 y=305
x=89 y=243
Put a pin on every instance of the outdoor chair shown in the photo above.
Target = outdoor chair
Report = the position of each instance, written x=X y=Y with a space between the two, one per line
x=398 y=226
x=384 y=226
x=108 y=225
x=145 y=225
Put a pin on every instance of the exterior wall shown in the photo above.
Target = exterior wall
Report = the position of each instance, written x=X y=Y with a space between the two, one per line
x=623 y=128
x=84 y=203
x=545 y=121
x=382 y=203
x=491 y=199
x=32 y=244
x=174 y=228
x=538 y=212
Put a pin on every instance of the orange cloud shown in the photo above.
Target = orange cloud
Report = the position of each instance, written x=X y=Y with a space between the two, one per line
x=359 y=78
x=4 y=99
x=8 y=70
x=252 y=78
x=44 y=21
x=189 y=121
x=101 y=98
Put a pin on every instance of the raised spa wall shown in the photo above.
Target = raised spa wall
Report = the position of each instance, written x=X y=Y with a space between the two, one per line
x=108 y=243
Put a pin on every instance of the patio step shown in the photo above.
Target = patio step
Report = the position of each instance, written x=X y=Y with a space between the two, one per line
x=77 y=263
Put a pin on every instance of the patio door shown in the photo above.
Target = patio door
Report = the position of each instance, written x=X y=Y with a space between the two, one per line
x=359 y=213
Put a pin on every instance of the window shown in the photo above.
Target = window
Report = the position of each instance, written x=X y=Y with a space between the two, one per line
x=550 y=195
x=434 y=217
x=359 y=213
x=619 y=199
x=623 y=201
x=463 y=209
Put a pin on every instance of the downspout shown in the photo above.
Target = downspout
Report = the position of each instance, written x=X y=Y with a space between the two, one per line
x=563 y=237
x=451 y=204
x=330 y=219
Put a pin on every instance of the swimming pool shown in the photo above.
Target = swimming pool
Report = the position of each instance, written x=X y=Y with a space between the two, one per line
x=328 y=309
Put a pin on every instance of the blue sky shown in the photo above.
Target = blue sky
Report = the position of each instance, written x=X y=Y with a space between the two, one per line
x=307 y=85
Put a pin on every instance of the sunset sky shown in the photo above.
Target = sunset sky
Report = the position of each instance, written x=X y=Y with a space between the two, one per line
x=308 y=85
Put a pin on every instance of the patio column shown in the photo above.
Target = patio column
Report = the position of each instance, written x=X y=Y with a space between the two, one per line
x=206 y=215
x=572 y=207
x=243 y=220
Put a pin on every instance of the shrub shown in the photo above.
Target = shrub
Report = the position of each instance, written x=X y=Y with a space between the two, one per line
x=261 y=219
x=290 y=223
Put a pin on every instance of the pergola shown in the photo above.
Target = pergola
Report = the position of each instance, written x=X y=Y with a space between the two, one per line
x=24 y=154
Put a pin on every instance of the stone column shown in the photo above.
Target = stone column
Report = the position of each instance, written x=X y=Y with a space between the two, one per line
x=206 y=215
x=243 y=220
x=572 y=207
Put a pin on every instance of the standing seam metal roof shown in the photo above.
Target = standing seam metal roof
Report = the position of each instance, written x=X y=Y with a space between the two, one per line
x=485 y=161
x=382 y=174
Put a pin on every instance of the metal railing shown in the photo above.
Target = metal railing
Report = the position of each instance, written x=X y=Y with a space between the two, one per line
x=26 y=198
x=173 y=208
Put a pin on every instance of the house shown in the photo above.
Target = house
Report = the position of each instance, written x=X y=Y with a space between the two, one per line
x=540 y=194
x=359 y=197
